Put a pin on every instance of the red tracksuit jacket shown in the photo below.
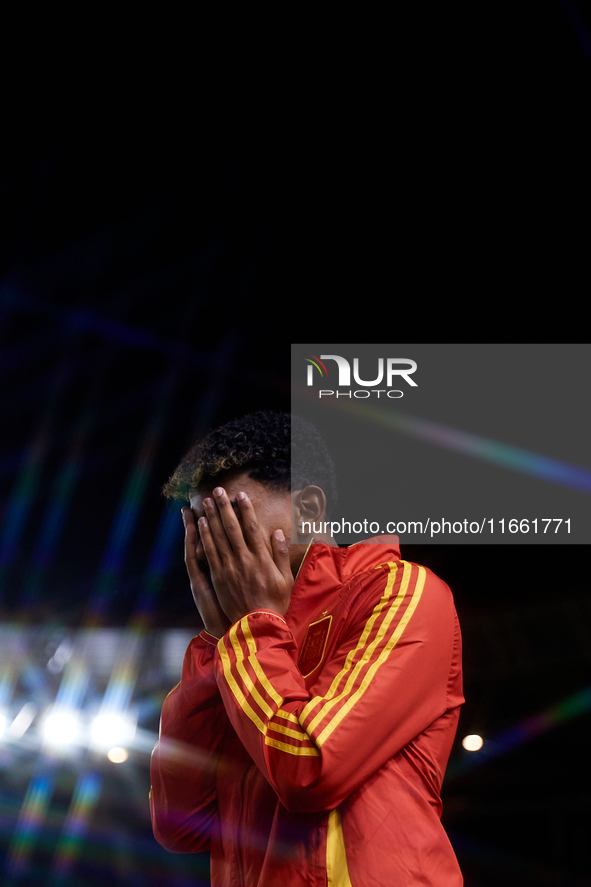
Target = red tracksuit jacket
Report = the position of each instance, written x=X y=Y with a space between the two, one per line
x=310 y=750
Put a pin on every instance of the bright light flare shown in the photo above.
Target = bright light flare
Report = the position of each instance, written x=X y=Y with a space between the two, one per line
x=22 y=721
x=473 y=742
x=61 y=727
x=2 y=724
x=112 y=729
x=117 y=755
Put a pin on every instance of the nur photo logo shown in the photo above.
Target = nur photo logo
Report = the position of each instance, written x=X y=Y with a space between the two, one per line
x=388 y=371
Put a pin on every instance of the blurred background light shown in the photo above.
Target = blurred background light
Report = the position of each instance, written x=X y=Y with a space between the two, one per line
x=112 y=729
x=473 y=742
x=61 y=727
x=61 y=656
x=22 y=721
x=117 y=755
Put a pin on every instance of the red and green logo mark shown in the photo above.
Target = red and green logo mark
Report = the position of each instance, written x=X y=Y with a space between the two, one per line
x=314 y=361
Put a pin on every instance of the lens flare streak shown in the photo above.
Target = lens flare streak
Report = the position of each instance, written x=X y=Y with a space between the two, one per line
x=31 y=819
x=84 y=800
x=574 y=706
x=502 y=454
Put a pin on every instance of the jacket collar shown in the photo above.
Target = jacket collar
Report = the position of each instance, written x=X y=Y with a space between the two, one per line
x=325 y=570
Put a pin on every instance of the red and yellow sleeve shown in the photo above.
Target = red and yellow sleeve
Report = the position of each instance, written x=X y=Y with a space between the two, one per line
x=183 y=803
x=385 y=683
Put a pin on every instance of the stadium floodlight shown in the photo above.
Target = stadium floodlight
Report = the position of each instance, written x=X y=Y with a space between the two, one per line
x=112 y=729
x=61 y=726
x=473 y=742
x=117 y=755
x=22 y=721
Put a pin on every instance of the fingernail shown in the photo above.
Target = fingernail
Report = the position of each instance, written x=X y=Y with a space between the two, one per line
x=218 y=491
x=208 y=503
x=203 y=521
x=241 y=495
x=279 y=535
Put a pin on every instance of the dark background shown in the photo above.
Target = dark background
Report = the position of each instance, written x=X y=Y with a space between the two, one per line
x=182 y=198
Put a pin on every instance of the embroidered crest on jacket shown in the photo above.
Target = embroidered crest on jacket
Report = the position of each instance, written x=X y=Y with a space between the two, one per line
x=314 y=645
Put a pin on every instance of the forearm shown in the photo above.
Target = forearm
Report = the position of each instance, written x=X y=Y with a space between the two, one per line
x=384 y=685
x=183 y=768
x=264 y=693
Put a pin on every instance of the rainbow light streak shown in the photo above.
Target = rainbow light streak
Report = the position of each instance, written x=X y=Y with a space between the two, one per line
x=505 y=455
x=10 y=644
x=168 y=537
x=84 y=800
x=124 y=675
x=76 y=321
x=102 y=850
x=21 y=499
x=123 y=679
x=27 y=483
x=55 y=514
x=14 y=663
x=124 y=523
x=30 y=822
x=571 y=707
x=35 y=680
x=74 y=682
x=127 y=515
x=128 y=511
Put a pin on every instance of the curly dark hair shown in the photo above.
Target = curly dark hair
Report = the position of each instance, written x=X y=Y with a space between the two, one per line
x=277 y=449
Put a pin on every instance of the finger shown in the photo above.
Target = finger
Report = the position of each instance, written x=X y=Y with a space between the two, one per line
x=229 y=521
x=190 y=538
x=216 y=528
x=209 y=544
x=196 y=574
x=250 y=524
x=213 y=617
x=281 y=556
x=200 y=581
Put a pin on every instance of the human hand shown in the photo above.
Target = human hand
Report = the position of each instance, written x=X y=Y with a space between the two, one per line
x=214 y=619
x=246 y=575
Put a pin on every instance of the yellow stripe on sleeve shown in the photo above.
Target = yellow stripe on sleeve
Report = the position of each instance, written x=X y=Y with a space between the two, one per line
x=329 y=703
x=241 y=698
x=238 y=694
x=261 y=674
x=393 y=567
x=287 y=731
x=248 y=682
x=308 y=750
x=336 y=720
